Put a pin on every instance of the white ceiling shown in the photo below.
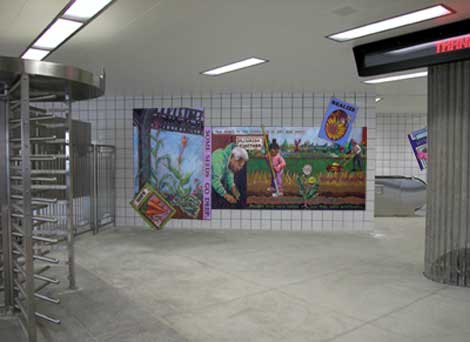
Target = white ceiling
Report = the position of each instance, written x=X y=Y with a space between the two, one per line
x=161 y=46
x=22 y=20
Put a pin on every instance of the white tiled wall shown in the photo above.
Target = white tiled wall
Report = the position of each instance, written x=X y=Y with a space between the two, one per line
x=394 y=154
x=112 y=124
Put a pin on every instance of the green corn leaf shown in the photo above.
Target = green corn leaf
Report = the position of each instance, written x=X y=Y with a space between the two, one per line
x=186 y=178
x=164 y=180
x=186 y=191
x=180 y=191
x=174 y=171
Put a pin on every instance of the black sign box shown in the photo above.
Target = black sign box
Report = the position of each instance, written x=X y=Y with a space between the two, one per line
x=443 y=44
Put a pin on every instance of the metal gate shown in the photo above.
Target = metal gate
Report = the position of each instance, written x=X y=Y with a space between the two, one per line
x=104 y=186
x=94 y=200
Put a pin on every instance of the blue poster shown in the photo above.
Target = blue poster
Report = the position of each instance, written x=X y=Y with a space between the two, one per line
x=419 y=143
x=338 y=121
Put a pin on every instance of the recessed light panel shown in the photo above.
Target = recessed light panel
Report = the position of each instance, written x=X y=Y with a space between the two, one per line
x=35 y=54
x=86 y=9
x=397 y=77
x=57 y=33
x=235 y=66
x=392 y=23
x=73 y=17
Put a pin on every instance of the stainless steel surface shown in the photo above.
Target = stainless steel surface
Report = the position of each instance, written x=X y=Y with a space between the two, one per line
x=46 y=279
x=398 y=195
x=94 y=191
x=69 y=141
x=38 y=118
x=6 y=280
x=53 y=78
x=35 y=199
x=104 y=183
x=46 y=298
x=35 y=237
x=37 y=152
x=27 y=220
x=47 y=318
x=82 y=165
x=48 y=160
x=80 y=158
x=46 y=259
x=447 y=255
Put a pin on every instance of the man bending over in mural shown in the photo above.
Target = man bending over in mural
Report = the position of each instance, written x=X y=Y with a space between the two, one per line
x=226 y=162
x=357 y=159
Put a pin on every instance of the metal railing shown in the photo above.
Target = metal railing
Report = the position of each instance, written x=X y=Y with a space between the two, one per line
x=104 y=186
x=94 y=200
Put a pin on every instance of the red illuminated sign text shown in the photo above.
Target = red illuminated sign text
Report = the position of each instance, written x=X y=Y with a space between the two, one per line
x=453 y=44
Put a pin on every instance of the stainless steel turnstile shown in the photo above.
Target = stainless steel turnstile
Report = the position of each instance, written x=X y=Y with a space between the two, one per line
x=35 y=170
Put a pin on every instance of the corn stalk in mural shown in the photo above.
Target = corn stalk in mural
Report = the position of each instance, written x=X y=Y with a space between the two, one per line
x=173 y=159
x=175 y=183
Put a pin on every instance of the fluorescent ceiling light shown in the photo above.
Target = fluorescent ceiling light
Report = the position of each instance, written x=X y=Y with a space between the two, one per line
x=86 y=9
x=235 y=66
x=35 y=54
x=378 y=99
x=397 y=77
x=57 y=33
x=392 y=23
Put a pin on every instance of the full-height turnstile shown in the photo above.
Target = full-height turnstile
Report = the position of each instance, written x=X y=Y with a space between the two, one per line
x=35 y=170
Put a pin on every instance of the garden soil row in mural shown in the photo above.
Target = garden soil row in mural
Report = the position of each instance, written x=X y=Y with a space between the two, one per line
x=287 y=168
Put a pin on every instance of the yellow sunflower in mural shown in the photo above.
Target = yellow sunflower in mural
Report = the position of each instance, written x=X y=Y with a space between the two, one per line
x=336 y=125
x=312 y=180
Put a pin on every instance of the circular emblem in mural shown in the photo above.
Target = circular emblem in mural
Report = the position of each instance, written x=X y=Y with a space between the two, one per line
x=337 y=125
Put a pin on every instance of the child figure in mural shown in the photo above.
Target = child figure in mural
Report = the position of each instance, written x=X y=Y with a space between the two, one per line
x=357 y=158
x=225 y=163
x=278 y=165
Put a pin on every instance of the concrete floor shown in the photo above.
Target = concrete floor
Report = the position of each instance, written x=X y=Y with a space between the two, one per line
x=143 y=286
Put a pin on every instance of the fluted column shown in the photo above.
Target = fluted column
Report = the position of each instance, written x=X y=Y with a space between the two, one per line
x=447 y=256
